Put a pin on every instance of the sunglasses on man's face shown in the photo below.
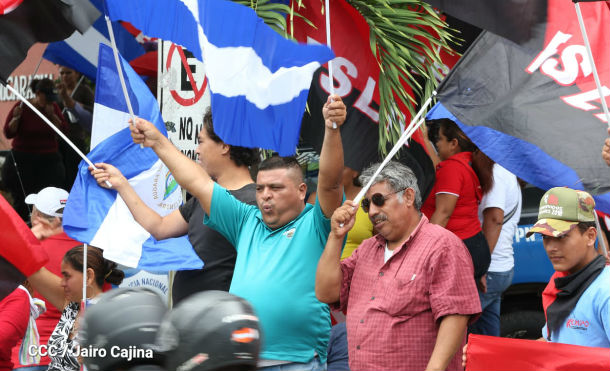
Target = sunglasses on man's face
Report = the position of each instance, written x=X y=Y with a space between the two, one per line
x=378 y=200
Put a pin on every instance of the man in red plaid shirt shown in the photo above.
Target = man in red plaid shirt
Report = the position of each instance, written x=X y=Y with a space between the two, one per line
x=408 y=291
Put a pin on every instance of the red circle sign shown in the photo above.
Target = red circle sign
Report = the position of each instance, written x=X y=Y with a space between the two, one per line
x=198 y=91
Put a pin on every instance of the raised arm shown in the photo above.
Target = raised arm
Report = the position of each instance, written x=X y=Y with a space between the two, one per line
x=49 y=286
x=161 y=227
x=330 y=188
x=329 y=276
x=187 y=173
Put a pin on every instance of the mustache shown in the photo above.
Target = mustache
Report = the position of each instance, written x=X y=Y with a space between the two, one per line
x=379 y=218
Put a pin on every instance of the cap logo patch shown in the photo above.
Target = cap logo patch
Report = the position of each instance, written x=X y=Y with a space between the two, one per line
x=62 y=202
x=552 y=200
x=244 y=335
x=551 y=210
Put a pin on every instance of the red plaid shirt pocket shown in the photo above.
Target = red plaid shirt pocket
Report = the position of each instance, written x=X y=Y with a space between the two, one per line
x=400 y=296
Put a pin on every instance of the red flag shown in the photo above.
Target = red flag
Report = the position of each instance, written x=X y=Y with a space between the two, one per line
x=20 y=252
x=490 y=353
x=8 y=5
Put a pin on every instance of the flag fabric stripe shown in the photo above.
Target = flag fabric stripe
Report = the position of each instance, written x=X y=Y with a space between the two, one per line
x=155 y=20
x=254 y=74
x=114 y=122
x=97 y=215
x=276 y=121
x=518 y=156
x=80 y=51
x=283 y=85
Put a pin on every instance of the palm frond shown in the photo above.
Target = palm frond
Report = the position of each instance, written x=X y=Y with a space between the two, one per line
x=274 y=14
x=406 y=38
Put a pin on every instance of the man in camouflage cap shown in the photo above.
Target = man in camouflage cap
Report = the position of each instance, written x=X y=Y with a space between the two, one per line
x=577 y=299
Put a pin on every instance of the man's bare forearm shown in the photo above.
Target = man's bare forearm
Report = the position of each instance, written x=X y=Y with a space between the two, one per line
x=329 y=275
x=448 y=340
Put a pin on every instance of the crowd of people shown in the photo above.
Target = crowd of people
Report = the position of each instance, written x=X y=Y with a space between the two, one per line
x=38 y=158
x=412 y=276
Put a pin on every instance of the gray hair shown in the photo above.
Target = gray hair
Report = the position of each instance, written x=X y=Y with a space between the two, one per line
x=397 y=175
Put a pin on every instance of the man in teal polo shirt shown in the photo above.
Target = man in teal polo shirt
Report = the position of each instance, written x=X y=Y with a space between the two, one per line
x=278 y=243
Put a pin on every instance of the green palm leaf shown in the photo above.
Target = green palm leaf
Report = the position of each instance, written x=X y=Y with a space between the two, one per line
x=406 y=38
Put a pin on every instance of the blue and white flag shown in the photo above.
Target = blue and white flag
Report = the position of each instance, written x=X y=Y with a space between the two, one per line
x=259 y=80
x=79 y=51
x=99 y=216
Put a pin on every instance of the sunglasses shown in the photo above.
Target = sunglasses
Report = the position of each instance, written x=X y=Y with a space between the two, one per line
x=378 y=200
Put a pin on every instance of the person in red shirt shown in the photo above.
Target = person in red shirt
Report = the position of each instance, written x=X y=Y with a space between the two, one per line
x=408 y=290
x=459 y=187
x=47 y=212
x=14 y=317
x=34 y=146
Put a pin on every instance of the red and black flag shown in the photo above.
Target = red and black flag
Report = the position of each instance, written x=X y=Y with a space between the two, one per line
x=43 y=21
x=534 y=106
x=20 y=251
x=356 y=80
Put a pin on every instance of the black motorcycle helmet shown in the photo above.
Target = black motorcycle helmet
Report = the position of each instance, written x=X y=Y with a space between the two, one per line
x=119 y=331
x=210 y=330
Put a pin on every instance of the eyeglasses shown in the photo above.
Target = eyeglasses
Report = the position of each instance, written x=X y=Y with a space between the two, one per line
x=378 y=200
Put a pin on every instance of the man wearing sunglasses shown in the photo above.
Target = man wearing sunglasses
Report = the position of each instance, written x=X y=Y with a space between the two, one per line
x=408 y=291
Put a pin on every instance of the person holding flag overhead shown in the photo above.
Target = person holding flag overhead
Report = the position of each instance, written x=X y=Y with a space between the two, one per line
x=278 y=243
x=226 y=164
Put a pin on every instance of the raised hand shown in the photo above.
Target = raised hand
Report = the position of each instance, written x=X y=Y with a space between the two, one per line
x=144 y=132
x=343 y=219
x=334 y=111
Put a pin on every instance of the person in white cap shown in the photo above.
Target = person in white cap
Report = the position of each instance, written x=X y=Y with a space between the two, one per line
x=46 y=218
x=47 y=211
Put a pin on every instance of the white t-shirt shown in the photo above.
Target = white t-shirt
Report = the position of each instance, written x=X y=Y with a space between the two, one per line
x=505 y=195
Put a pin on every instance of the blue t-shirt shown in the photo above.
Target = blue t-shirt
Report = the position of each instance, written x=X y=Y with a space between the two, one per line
x=275 y=271
x=589 y=322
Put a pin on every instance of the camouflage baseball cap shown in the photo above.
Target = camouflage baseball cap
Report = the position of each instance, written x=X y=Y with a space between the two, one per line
x=561 y=209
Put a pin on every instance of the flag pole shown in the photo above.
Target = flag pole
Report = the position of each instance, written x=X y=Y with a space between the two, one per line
x=413 y=126
x=330 y=62
x=82 y=77
x=590 y=55
x=119 y=67
x=55 y=128
x=602 y=240
x=84 y=300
